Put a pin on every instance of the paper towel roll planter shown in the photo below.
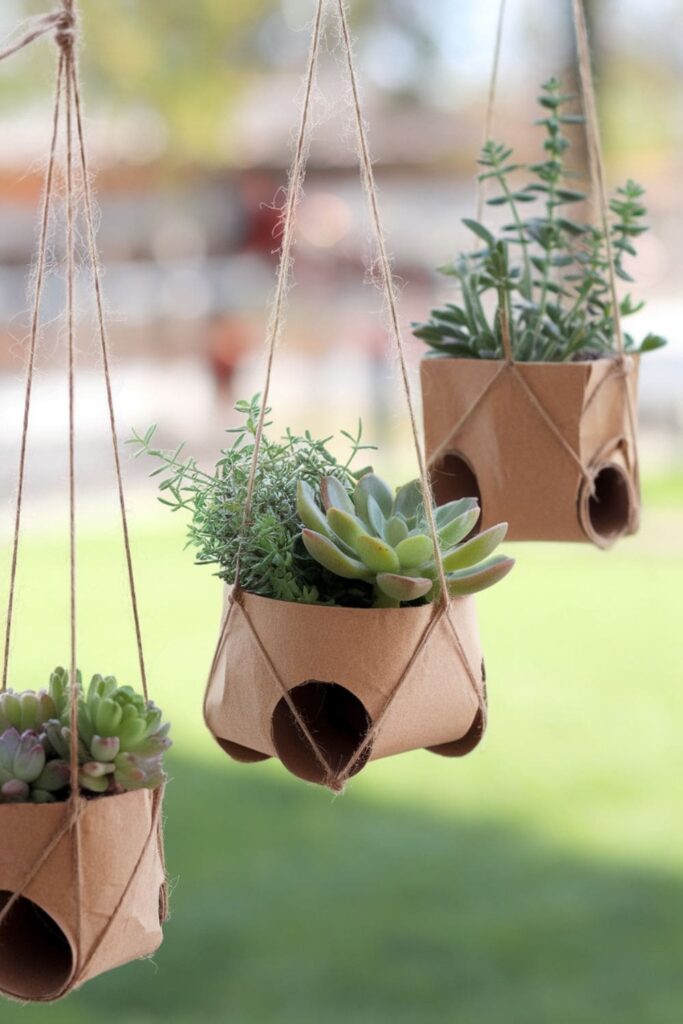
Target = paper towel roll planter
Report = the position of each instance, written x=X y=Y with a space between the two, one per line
x=505 y=451
x=339 y=667
x=44 y=954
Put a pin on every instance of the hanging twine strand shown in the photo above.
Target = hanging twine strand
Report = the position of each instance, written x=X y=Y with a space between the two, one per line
x=491 y=102
x=599 y=196
x=30 y=366
x=297 y=174
x=336 y=779
x=63 y=23
x=597 y=164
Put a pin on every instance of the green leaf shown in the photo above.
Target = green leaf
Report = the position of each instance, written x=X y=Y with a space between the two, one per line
x=475 y=550
x=334 y=494
x=415 y=551
x=403 y=588
x=652 y=342
x=408 y=501
x=371 y=484
x=376 y=555
x=471 y=581
x=480 y=231
x=346 y=526
x=328 y=555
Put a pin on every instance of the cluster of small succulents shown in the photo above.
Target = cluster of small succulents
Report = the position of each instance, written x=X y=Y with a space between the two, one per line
x=381 y=538
x=121 y=741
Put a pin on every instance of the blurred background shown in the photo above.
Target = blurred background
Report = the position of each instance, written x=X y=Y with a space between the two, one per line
x=542 y=878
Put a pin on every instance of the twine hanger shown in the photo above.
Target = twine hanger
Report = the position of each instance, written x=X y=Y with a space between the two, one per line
x=599 y=196
x=67 y=98
x=337 y=779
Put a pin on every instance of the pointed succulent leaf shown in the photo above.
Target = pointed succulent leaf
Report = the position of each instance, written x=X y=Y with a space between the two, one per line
x=334 y=494
x=408 y=501
x=328 y=555
x=376 y=517
x=307 y=509
x=479 y=577
x=475 y=550
x=396 y=530
x=346 y=526
x=376 y=554
x=454 y=531
x=403 y=588
x=415 y=551
x=371 y=484
x=453 y=509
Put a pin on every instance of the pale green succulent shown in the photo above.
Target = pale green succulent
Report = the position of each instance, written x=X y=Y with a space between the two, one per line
x=121 y=738
x=121 y=741
x=25 y=773
x=31 y=709
x=383 y=539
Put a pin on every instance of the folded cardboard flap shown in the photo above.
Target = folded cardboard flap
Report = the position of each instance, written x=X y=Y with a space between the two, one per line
x=339 y=668
x=44 y=951
x=530 y=472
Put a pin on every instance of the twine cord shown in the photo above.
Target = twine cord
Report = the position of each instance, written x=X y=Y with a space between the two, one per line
x=597 y=173
x=336 y=780
x=491 y=101
x=63 y=23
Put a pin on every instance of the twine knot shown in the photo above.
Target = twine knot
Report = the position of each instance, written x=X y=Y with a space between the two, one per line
x=65 y=29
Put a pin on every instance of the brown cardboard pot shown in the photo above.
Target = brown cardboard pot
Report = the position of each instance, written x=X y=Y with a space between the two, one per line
x=41 y=955
x=340 y=665
x=507 y=455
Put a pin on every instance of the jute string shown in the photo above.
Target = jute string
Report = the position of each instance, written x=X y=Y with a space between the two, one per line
x=63 y=23
x=508 y=365
x=336 y=779
x=491 y=101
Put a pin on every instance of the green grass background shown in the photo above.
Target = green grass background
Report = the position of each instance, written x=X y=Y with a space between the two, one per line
x=539 y=880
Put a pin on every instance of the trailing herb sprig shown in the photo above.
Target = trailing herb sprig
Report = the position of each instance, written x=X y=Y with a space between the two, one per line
x=273 y=559
x=556 y=290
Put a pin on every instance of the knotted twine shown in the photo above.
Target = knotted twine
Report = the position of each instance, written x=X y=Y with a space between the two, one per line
x=67 y=92
x=336 y=779
x=599 y=196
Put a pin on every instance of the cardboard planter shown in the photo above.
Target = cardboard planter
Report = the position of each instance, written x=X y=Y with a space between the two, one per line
x=506 y=454
x=43 y=953
x=340 y=665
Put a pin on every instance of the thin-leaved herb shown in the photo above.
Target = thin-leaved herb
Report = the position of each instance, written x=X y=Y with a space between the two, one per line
x=549 y=272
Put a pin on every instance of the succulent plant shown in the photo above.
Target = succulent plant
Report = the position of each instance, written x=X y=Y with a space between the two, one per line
x=31 y=709
x=25 y=773
x=121 y=741
x=121 y=738
x=383 y=539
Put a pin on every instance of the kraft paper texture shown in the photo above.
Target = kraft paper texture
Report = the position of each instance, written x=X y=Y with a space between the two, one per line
x=364 y=650
x=36 y=962
x=523 y=474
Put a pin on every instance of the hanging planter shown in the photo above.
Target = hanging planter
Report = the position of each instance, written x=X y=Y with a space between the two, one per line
x=530 y=391
x=50 y=945
x=349 y=631
x=572 y=481
x=337 y=646
x=82 y=882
